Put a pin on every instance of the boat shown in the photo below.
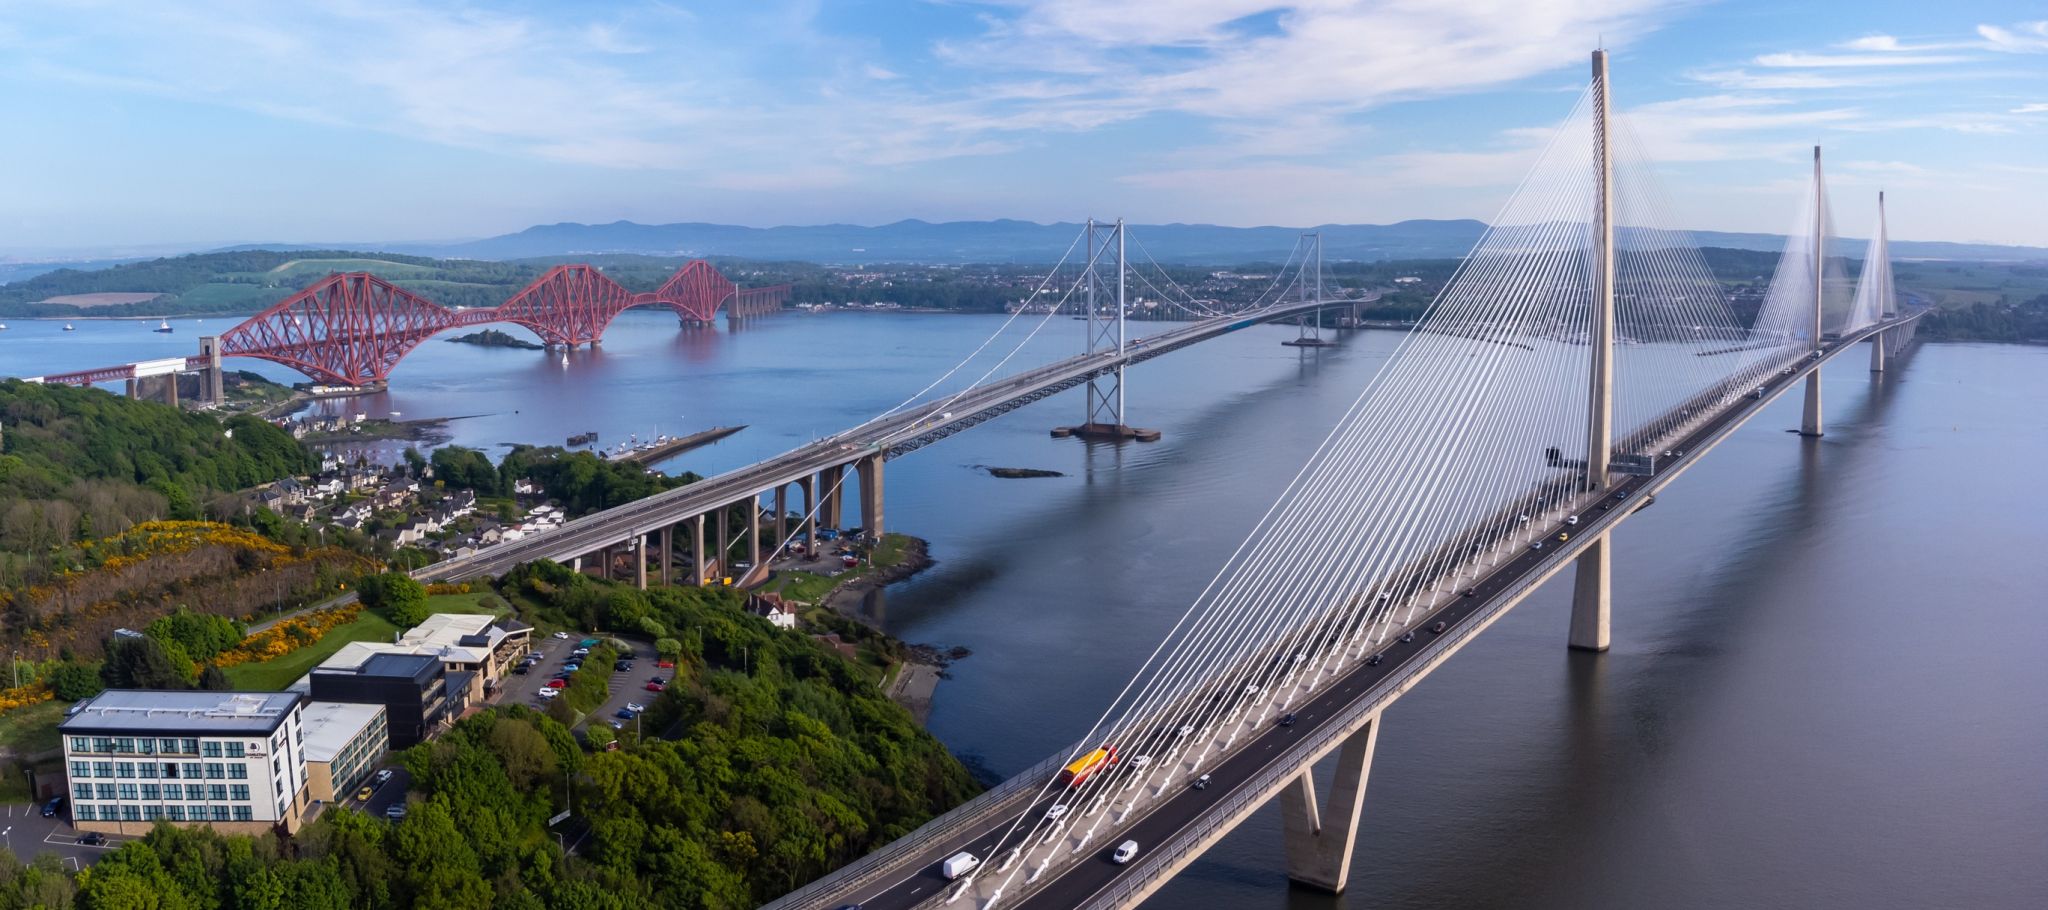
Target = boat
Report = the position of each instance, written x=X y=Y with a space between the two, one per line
x=164 y=327
x=3 y=327
x=69 y=327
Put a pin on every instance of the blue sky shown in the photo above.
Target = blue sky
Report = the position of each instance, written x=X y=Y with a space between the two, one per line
x=176 y=123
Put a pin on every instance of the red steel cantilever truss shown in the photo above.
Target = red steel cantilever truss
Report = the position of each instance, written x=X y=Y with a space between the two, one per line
x=351 y=328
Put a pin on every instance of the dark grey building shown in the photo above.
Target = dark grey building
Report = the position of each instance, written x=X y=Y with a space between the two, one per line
x=414 y=689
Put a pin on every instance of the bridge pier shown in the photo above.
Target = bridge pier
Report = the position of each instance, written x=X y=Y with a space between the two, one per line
x=807 y=527
x=832 y=496
x=1591 y=598
x=1319 y=849
x=640 y=562
x=668 y=552
x=212 y=387
x=753 y=534
x=870 y=469
x=1877 y=342
x=1809 y=418
x=699 y=569
x=724 y=521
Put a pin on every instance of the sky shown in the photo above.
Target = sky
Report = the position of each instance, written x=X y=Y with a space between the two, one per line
x=165 y=123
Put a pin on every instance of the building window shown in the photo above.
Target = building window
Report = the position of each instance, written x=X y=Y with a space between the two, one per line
x=220 y=813
x=173 y=791
x=167 y=746
x=150 y=791
x=127 y=791
x=244 y=813
x=124 y=769
x=239 y=791
x=80 y=744
x=195 y=792
x=147 y=770
x=147 y=745
x=215 y=770
x=150 y=813
x=103 y=769
x=106 y=791
x=234 y=750
x=210 y=749
x=175 y=813
x=83 y=812
x=81 y=769
x=102 y=744
x=125 y=744
x=81 y=791
x=131 y=813
x=194 y=770
x=238 y=771
x=217 y=792
x=189 y=746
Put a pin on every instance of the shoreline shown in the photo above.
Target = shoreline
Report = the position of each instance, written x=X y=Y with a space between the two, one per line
x=916 y=681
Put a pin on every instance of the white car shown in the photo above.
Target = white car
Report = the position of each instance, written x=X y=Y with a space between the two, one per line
x=1140 y=762
x=1124 y=852
x=635 y=707
x=548 y=692
x=562 y=635
x=1056 y=812
x=1186 y=729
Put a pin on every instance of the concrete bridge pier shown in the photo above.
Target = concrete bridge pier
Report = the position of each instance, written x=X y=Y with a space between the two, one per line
x=699 y=568
x=668 y=552
x=832 y=496
x=870 y=469
x=724 y=522
x=1592 y=596
x=1809 y=419
x=1877 y=351
x=807 y=528
x=753 y=532
x=640 y=562
x=212 y=387
x=1320 y=842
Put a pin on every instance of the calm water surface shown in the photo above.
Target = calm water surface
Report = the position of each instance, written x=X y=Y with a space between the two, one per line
x=1827 y=687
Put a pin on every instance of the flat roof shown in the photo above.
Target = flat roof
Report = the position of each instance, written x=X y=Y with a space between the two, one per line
x=331 y=725
x=148 y=710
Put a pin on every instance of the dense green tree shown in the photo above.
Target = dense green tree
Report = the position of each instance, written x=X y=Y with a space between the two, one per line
x=213 y=679
x=141 y=662
x=73 y=681
x=395 y=594
x=202 y=635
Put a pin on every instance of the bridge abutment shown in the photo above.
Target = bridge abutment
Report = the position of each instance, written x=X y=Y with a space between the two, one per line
x=1592 y=597
x=1319 y=848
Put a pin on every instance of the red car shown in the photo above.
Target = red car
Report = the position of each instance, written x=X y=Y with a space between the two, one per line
x=665 y=664
x=558 y=684
x=655 y=687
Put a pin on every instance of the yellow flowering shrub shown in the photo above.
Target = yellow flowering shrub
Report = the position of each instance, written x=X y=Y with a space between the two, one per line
x=288 y=635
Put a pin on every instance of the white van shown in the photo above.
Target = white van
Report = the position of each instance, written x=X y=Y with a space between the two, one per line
x=958 y=864
x=1124 y=852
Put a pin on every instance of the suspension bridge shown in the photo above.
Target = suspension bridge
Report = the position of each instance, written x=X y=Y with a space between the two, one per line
x=350 y=329
x=1571 y=370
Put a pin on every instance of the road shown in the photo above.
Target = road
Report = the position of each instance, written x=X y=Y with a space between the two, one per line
x=1076 y=883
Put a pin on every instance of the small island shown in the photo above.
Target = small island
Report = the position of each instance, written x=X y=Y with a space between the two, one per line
x=1021 y=472
x=492 y=338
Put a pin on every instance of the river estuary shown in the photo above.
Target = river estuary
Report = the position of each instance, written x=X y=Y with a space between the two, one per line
x=1827 y=690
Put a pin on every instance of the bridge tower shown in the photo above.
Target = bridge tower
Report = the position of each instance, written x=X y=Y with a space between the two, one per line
x=1810 y=421
x=1592 y=592
x=212 y=388
x=1311 y=332
x=1106 y=336
x=1887 y=306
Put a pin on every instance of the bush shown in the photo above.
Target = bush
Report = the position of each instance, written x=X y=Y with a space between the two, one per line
x=395 y=594
x=73 y=681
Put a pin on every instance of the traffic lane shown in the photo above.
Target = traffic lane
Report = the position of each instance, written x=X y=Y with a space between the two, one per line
x=987 y=841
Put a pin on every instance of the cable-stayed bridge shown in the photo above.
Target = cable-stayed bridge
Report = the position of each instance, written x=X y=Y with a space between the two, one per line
x=1569 y=372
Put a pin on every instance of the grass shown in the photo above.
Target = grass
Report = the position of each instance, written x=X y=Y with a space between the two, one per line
x=465 y=603
x=274 y=675
x=31 y=729
x=802 y=587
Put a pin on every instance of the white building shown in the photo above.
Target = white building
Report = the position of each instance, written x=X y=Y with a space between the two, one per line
x=234 y=760
x=344 y=743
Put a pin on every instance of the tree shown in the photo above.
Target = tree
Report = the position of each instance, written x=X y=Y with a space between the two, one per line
x=141 y=662
x=396 y=595
x=73 y=681
x=212 y=679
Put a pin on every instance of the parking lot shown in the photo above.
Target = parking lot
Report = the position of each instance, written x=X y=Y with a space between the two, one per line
x=27 y=834
x=624 y=687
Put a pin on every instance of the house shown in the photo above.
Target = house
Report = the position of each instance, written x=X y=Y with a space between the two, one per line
x=779 y=613
x=477 y=647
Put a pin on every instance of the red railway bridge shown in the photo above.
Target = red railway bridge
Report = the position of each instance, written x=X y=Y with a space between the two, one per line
x=352 y=328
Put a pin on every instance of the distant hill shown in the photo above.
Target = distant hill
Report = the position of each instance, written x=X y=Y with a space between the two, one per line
x=1024 y=241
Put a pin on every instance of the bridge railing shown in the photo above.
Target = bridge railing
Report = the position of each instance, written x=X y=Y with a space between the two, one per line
x=835 y=888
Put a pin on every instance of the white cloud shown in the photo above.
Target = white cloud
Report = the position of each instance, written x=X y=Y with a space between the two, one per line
x=2023 y=38
x=1810 y=61
x=2036 y=108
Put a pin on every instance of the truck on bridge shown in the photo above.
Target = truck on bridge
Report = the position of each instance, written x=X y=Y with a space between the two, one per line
x=1078 y=770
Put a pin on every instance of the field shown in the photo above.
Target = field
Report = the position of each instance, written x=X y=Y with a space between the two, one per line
x=1959 y=284
x=309 y=269
x=215 y=298
x=277 y=674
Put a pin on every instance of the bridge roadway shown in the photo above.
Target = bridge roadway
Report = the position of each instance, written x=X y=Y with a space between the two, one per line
x=889 y=437
x=1174 y=830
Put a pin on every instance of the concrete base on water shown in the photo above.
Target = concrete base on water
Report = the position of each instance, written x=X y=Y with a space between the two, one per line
x=1309 y=343
x=1112 y=432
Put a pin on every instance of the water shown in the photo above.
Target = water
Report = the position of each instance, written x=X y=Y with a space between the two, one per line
x=1826 y=688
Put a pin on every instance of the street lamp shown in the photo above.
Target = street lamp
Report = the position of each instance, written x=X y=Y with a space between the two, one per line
x=17 y=669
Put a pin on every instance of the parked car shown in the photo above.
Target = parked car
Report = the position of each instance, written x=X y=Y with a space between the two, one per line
x=654 y=687
x=522 y=669
x=93 y=839
x=54 y=806
x=382 y=775
x=395 y=812
x=665 y=664
x=658 y=679
x=622 y=666
x=562 y=635
x=548 y=692
x=635 y=707
x=558 y=683
x=623 y=714
x=365 y=793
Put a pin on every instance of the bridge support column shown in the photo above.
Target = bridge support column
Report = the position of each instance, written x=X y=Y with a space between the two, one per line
x=871 y=495
x=1319 y=848
x=212 y=387
x=753 y=534
x=1809 y=419
x=807 y=527
x=724 y=521
x=781 y=514
x=668 y=552
x=171 y=389
x=134 y=388
x=1877 y=352
x=831 y=496
x=1591 y=597
x=640 y=562
x=699 y=569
